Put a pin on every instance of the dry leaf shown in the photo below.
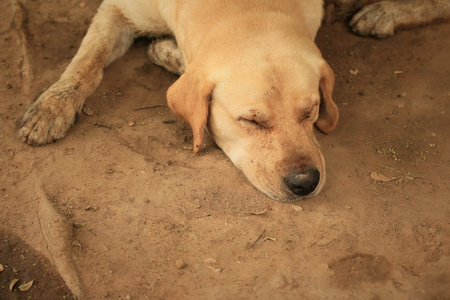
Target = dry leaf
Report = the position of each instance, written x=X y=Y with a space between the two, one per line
x=259 y=212
x=26 y=286
x=11 y=285
x=380 y=177
x=215 y=269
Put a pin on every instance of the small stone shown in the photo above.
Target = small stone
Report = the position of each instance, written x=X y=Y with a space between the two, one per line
x=1 y=268
x=87 y=110
x=210 y=260
x=278 y=281
x=180 y=264
x=297 y=207
x=77 y=225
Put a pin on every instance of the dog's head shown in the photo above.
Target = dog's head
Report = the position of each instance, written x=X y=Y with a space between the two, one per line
x=263 y=118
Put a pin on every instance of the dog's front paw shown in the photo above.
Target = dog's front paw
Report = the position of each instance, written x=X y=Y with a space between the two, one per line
x=377 y=19
x=49 y=118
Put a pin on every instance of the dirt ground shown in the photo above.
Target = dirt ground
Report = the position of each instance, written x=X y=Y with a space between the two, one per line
x=122 y=209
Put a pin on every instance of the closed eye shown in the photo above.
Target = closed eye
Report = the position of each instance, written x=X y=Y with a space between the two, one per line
x=306 y=115
x=310 y=114
x=252 y=121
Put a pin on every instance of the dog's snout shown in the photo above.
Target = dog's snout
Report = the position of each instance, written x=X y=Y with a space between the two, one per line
x=302 y=183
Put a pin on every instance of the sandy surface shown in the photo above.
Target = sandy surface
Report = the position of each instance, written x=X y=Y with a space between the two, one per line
x=123 y=211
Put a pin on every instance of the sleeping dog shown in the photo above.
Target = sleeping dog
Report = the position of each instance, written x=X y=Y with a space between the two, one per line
x=251 y=75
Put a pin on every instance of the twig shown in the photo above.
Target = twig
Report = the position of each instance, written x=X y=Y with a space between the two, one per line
x=386 y=167
x=102 y=125
x=148 y=107
x=258 y=239
x=145 y=87
x=256 y=213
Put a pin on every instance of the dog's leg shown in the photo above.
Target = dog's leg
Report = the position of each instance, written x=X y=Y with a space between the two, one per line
x=165 y=53
x=382 y=18
x=50 y=117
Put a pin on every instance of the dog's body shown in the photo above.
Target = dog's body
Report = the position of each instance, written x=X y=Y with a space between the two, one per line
x=251 y=75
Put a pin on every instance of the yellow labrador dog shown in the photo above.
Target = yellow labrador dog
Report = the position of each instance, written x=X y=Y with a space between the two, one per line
x=251 y=75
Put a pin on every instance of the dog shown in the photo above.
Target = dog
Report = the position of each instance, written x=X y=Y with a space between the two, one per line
x=251 y=75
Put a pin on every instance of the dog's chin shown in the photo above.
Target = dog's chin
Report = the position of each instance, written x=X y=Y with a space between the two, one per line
x=289 y=198
x=286 y=196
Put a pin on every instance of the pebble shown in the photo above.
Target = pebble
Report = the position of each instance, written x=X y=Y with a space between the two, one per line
x=210 y=260
x=297 y=207
x=278 y=281
x=87 y=110
x=180 y=264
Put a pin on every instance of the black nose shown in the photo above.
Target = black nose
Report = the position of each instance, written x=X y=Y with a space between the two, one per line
x=303 y=182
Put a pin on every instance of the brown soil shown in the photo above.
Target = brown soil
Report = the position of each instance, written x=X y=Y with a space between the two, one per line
x=137 y=201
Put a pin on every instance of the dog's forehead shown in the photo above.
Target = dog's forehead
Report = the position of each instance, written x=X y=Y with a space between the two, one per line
x=268 y=89
x=268 y=82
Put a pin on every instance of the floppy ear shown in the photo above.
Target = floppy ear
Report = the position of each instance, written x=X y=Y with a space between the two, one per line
x=328 y=114
x=189 y=98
